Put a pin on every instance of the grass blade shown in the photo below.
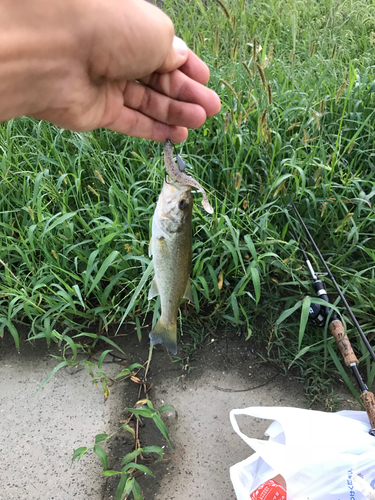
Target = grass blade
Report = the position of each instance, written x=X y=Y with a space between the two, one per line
x=141 y=284
x=103 y=268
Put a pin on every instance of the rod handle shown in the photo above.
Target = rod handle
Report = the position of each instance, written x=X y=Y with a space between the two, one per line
x=368 y=400
x=342 y=341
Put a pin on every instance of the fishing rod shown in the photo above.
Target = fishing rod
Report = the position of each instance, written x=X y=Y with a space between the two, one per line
x=351 y=314
x=319 y=314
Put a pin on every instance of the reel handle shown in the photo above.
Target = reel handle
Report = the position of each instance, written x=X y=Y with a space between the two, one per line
x=343 y=343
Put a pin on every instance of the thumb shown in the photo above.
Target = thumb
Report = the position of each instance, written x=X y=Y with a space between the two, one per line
x=176 y=57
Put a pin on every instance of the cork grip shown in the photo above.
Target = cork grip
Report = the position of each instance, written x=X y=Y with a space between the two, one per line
x=337 y=330
x=368 y=400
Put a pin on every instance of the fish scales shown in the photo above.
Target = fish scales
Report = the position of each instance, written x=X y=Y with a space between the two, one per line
x=171 y=249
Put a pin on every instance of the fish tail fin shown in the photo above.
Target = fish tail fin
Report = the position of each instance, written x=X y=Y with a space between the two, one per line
x=166 y=334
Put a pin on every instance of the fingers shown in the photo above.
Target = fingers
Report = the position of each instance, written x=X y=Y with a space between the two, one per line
x=136 y=124
x=178 y=86
x=195 y=68
x=162 y=108
x=182 y=58
x=151 y=115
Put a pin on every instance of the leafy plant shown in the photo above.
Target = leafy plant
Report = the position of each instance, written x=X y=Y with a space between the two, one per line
x=127 y=482
x=95 y=370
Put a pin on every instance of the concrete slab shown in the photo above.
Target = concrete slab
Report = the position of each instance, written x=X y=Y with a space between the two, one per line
x=40 y=430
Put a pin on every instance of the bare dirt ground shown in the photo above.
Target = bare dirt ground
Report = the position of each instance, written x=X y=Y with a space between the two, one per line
x=40 y=430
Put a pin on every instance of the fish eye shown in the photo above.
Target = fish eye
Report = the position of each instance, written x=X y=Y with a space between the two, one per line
x=183 y=204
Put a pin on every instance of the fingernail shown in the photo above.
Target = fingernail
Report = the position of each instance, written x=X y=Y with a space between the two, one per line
x=179 y=45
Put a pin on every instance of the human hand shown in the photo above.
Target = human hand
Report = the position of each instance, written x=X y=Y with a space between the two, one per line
x=85 y=64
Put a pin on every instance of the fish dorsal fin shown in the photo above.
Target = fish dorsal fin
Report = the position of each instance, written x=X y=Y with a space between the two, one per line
x=188 y=294
x=154 y=290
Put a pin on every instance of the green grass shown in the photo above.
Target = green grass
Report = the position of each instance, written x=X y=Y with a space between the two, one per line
x=75 y=209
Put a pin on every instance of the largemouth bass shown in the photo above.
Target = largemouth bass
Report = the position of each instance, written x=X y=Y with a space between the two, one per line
x=171 y=250
x=174 y=171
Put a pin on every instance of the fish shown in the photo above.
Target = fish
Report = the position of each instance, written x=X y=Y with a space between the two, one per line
x=171 y=250
x=176 y=172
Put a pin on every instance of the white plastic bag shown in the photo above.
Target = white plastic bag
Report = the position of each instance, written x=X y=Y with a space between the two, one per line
x=322 y=456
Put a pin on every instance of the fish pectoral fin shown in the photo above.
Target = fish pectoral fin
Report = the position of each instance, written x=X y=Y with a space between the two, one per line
x=150 y=248
x=154 y=290
x=166 y=334
x=188 y=294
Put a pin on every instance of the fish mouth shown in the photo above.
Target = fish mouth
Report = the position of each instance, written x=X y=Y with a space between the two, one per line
x=169 y=180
